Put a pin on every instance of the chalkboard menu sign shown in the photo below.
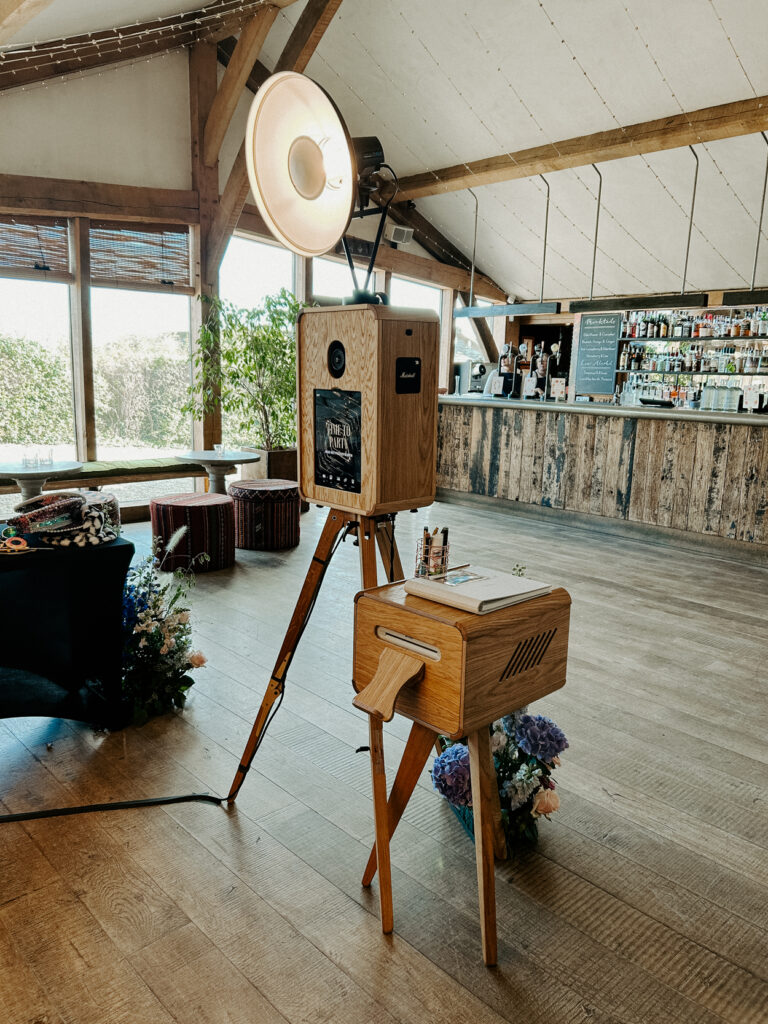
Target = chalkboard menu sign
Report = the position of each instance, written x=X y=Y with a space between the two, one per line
x=597 y=354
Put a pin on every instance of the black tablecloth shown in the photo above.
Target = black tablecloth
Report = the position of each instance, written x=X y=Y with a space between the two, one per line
x=61 y=620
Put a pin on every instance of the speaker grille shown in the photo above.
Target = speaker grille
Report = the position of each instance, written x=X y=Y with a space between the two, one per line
x=528 y=654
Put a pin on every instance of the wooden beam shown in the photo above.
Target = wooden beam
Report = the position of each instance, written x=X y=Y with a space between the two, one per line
x=205 y=179
x=14 y=15
x=391 y=261
x=75 y=54
x=235 y=77
x=302 y=42
x=65 y=197
x=81 y=339
x=307 y=33
x=724 y=121
x=259 y=74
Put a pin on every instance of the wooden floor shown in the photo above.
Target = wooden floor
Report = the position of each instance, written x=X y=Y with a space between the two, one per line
x=647 y=900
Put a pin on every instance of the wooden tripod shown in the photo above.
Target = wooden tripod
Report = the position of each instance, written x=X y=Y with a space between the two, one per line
x=371 y=530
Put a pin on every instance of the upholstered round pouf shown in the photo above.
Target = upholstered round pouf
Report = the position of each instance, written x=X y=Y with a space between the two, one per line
x=210 y=523
x=266 y=514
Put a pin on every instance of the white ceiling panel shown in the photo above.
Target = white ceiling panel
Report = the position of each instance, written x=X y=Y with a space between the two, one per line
x=442 y=82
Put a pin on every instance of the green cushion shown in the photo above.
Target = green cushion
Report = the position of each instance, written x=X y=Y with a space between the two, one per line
x=139 y=468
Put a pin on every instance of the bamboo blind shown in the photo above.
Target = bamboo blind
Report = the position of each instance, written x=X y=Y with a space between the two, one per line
x=157 y=255
x=38 y=243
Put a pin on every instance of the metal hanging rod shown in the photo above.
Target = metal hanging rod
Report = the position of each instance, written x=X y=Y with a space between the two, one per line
x=597 y=225
x=760 y=218
x=546 y=226
x=513 y=308
x=690 y=218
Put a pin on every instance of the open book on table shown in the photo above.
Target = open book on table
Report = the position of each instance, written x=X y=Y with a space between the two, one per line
x=477 y=589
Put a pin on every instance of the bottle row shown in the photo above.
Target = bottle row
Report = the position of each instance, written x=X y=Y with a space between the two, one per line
x=694 y=359
x=751 y=323
x=712 y=397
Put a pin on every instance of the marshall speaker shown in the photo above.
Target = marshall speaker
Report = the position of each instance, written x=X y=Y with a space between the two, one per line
x=367 y=398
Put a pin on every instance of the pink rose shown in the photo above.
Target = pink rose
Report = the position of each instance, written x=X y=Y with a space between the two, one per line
x=197 y=659
x=545 y=802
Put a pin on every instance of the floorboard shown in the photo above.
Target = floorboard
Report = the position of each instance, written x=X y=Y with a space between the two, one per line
x=645 y=902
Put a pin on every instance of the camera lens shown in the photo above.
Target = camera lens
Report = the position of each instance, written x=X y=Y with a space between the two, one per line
x=337 y=359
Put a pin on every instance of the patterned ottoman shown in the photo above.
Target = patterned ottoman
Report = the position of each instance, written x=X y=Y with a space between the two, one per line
x=266 y=514
x=210 y=522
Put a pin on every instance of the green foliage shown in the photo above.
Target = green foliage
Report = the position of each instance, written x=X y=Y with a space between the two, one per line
x=246 y=365
x=138 y=392
x=35 y=394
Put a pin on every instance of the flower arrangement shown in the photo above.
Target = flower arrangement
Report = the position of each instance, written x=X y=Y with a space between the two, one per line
x=526 y=751
x=157 y=647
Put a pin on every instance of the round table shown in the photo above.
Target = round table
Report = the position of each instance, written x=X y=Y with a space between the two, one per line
x=31 y=479
x=217 y=465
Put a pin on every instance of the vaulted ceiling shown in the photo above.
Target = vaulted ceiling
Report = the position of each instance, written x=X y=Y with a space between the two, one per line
x=446 y=83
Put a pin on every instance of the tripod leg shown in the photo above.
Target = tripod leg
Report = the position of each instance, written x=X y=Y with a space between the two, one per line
x=390 y=556
x=335 y=522
x=415 y=756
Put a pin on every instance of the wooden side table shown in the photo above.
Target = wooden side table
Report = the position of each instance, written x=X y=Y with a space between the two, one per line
x=453 y=674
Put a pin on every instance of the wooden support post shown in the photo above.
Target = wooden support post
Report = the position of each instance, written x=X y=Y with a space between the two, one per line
x=483 y=783
x=447 y=338
x=205 y=180
x=81 y=338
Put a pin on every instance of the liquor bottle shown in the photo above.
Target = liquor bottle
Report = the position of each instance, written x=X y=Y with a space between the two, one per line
x=623 y=358
x=663 y=327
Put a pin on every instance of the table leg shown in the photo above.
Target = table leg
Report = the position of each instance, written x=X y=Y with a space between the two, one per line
x=217 y=479
x=30 y=488
x=483 y=778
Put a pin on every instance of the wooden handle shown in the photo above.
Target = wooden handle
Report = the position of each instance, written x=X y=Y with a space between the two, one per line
x=395 y=670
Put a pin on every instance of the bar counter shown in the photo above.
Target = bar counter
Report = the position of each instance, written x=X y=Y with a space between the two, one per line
x=697 y=472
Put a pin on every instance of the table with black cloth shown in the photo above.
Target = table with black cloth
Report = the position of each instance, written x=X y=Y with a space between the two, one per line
x=61 y=631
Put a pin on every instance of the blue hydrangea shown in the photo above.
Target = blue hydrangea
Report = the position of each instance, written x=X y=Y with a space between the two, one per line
x=540 y=737
x=450 y=775
x=510 y=722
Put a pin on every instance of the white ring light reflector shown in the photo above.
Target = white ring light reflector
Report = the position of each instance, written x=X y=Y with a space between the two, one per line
x=300 y=164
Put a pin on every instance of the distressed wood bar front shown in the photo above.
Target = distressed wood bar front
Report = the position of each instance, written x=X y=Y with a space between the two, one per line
x=701 y=473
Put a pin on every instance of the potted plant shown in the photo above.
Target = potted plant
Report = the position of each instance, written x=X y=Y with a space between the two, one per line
x=246 y=364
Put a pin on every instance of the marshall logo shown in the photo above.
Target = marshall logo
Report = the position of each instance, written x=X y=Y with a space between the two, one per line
x=407 y=375
x=528 y=654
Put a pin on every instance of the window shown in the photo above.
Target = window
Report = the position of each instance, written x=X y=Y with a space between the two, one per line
x=37 y=411
x=332 y=279
x=252 y=270
x=141 y=370
x=414 y=296
x=467 y=345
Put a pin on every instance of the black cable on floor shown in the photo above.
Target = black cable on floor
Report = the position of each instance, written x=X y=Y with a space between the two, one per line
x=118 y=805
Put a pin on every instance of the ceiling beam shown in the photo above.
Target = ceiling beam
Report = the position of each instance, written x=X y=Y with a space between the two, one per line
x=14 y=15
x=307 y=33
x=724 y=121
x=302 y=42
x=259 y=73
x=236 y=75
x=65 y=197
x=27 y=64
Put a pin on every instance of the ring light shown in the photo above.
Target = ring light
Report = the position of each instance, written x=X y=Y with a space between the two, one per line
x=300 y=164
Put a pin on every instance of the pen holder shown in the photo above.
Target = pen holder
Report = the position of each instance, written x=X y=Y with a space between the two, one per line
x=431 y=558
